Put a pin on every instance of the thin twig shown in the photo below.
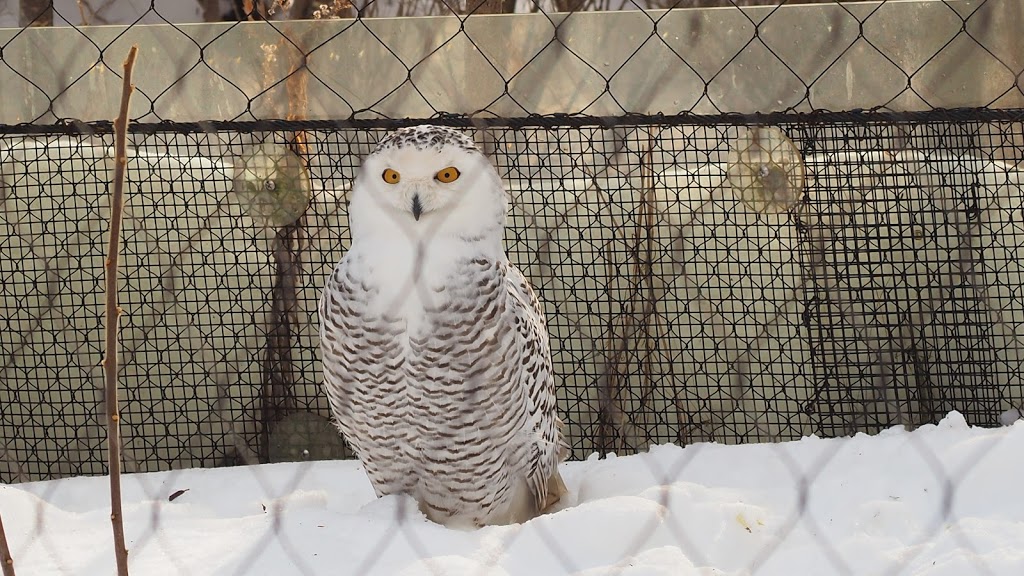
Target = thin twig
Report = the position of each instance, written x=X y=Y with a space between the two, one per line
x=5 y=552
x=81 y=10
x=113 y=312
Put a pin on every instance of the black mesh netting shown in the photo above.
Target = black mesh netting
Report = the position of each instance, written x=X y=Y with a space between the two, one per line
x=875 y=281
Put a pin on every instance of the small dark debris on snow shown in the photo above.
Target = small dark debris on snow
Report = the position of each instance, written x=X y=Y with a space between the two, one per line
x=176 y=494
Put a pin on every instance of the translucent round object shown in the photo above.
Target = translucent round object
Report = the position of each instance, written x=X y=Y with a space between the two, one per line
x=765 y=170
x=272 y=185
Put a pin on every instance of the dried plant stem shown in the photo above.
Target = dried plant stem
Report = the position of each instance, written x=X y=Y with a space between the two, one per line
x=253 y=9
x=5 y=552
x=289 y=243
x=113 y=311
x=81 y=10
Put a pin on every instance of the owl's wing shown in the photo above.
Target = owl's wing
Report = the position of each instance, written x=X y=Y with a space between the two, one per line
x=537 y=378
x=344 y=366
x=331 y=314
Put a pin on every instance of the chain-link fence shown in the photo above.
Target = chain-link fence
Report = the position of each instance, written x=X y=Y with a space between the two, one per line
x=745 y=223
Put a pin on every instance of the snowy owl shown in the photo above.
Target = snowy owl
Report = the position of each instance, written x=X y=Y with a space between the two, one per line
x=435 y=349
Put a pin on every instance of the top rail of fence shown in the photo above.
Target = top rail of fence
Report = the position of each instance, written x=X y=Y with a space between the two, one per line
x=908 y=55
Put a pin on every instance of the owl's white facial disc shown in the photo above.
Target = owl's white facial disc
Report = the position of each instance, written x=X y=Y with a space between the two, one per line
x=427 y=181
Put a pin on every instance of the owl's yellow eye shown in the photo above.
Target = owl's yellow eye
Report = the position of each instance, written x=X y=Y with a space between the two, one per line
x=390 y=176
x=447 y=175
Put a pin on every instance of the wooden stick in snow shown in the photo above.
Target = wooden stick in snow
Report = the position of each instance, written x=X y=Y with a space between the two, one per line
x=6 y=561
x=112 y=313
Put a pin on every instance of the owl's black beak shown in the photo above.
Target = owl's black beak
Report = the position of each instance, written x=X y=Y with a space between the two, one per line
x=417 y=207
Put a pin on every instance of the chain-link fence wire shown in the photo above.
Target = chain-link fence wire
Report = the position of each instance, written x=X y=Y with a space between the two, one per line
x=706 y=276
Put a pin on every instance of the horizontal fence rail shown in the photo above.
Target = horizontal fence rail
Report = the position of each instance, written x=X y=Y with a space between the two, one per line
x=907 y=55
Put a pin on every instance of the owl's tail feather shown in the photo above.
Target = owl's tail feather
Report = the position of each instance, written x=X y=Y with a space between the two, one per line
x=527 y=504
x=556 y=489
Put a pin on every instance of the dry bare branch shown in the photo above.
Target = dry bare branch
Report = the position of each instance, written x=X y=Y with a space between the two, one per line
x=113 y=311
x=490 y=7
x=331 y=11
x=93 y=16
x=284 y=5
x=81 y=11
x=6 y=561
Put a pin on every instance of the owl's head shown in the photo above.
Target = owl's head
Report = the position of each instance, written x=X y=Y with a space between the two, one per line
x=428 y=178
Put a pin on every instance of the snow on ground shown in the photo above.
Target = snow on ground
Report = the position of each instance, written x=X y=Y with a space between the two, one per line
x=942 y=500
